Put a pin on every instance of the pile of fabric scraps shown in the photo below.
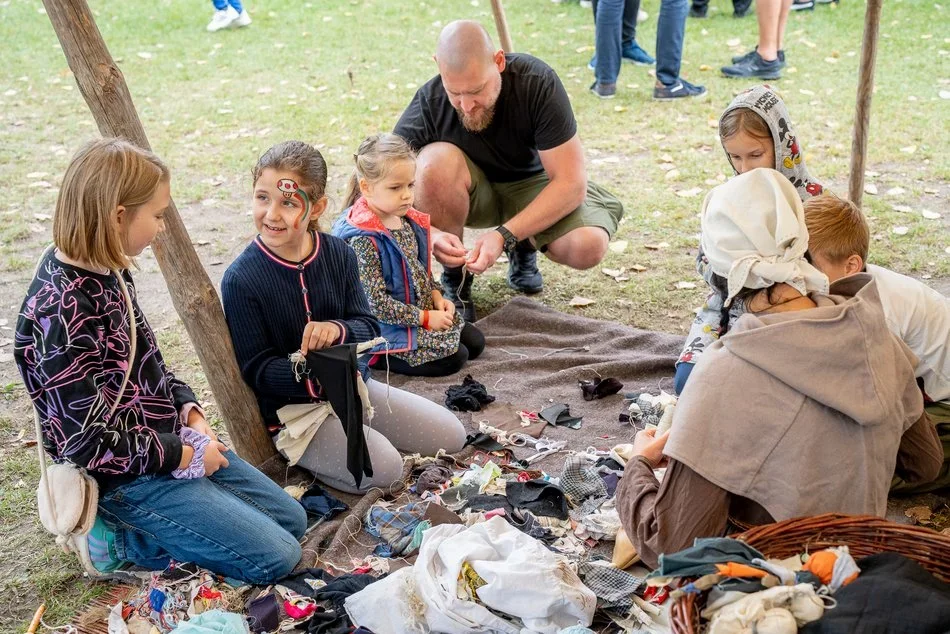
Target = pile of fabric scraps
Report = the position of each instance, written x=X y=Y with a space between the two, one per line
x=645 y=409
x=599 y=388
x=559 y=415
x=746 y=592
x=486 y=577
x=170 y=598
x=470 y=396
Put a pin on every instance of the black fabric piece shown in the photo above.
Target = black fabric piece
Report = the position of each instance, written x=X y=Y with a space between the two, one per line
x=533 y=113
x=321 y=505
x=559 y=415
x=610 y=463
x=539 y=497
x=298 y=581
x=263 y=614
x=599 y=388
x=528 y=524
x=483 y=442
x=489 y=503
x=338 y=590
x=467 y=397
x=329 y=622
x=892 y=595
x=336 y=370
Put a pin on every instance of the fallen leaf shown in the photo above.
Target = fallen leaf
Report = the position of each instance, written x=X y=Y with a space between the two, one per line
x=35 y=175
x=919 y=513
x=733 y=42
x=666 y=158
x=612 y=272
x=145 y=55
x=901 y=231
x=42 y=217
x=910 y=149
x=947 y=250
x=672 y=175
x=904 y=209
x=831 y=60
x=870 y=188
x=894 y=191
x=640 y=269
x=618 y=246
x=620 y=108
x=21 y=435
x=657 y=246
x=577 y=301
x=689 y=193
x=685 y=285
x=930 y=215
x=930 y=190
x=945 y=94
x=38 y=184
x=705 y=67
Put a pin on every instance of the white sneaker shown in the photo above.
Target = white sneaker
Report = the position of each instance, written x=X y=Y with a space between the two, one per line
x=222 y=19
x=244 y=19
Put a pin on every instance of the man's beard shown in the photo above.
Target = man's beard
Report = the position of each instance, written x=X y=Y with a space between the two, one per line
x=479 y=121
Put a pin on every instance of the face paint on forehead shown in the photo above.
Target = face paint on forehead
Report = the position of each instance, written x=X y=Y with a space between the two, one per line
x=290 y=189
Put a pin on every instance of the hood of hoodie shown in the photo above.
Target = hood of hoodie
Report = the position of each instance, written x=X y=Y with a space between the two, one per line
x=863 y=370
x=789 y=157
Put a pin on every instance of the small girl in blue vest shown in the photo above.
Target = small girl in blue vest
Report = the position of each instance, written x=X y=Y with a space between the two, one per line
x=391 y=240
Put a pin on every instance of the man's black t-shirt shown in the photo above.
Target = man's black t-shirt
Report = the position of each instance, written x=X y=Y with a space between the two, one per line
x=532 y=113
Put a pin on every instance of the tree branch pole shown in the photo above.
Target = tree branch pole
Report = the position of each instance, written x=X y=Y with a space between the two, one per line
x=862 y=111
x=193 y=295
x=501 y=23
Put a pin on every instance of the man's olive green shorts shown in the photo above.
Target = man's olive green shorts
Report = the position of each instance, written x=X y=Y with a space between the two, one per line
x=491 y=204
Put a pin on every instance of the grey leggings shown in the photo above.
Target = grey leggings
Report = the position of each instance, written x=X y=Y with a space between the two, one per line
x=416 y=425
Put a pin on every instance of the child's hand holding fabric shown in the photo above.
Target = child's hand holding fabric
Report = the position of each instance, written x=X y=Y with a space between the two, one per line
x=318 y=335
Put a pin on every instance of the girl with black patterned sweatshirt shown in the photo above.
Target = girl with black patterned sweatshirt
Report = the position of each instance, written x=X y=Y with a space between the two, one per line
x=168 y=489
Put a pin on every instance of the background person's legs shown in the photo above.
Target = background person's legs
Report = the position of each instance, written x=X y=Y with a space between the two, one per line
x=607 y=46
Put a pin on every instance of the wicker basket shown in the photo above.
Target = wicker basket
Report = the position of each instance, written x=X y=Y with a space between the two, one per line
x=863 y=535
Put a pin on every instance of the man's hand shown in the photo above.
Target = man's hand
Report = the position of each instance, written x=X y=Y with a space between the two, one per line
x=487 y=250
x=318 y=335
x=197 y=421
x=648 y=445
x=448 y=249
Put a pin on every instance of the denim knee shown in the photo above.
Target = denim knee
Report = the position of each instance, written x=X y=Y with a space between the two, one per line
x=296 y=519
x=282 y=556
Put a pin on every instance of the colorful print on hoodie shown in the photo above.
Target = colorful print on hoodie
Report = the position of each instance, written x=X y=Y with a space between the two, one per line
x=790 y=161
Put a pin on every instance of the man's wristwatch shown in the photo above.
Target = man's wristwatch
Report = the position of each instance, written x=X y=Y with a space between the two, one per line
x=510 y=239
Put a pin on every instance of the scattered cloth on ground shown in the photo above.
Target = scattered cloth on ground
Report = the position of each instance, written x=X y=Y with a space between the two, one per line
x=456 y=498
x=213 y=622
x=599 y=388
x=507 y=418
x=481 y=475
x=306 y=582
x=319 y=504
x=893 y=594
x=338 y=590
x=431 y=478
x=646 y=409
x=396 y=528
x=701 y=558
x=489 y=503
x=484 y=442
x=580 y=480
x=559 y=415
x=610 y=481
x=470 y=396
x=522 y=579
x=613 y=587
x=603 y=524
x=539 y=497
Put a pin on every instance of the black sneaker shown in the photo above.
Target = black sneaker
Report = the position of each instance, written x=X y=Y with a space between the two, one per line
x=741 y=8
x=738 y=59
x=680 y=90
x=457 y=288
x=754 y=66
x=698 y=12
x=604 y=91
x=803 y=5
x=523 y=273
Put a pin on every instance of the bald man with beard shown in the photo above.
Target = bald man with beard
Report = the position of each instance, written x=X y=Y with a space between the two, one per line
x=498 y=147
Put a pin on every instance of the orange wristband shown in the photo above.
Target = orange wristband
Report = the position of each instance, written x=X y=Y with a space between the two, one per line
x=425 y=319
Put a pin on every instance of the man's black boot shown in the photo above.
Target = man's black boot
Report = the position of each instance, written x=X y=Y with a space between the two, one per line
x=523 y=273
x=457 y=288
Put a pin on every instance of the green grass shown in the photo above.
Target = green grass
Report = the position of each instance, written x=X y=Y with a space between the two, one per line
x=332 y=71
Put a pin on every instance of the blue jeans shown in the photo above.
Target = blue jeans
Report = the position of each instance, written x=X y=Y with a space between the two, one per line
x=670 y=26
x=607 y=40
x=630 y=10
x=237 y=523
x=221 y=5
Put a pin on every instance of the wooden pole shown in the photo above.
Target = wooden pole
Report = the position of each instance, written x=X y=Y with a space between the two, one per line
x=862 y=111
x=501 y=23
x=193 y=295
